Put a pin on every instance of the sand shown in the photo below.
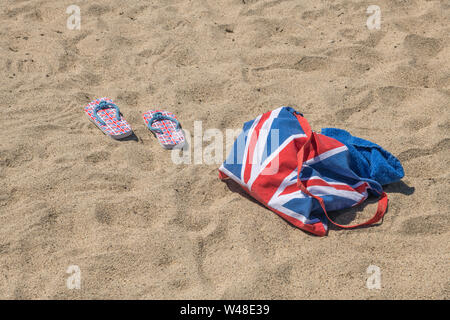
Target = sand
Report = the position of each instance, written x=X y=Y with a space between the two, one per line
x=141 y=227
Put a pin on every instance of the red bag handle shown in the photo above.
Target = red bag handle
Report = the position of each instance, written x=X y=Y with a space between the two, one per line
x=382 y=203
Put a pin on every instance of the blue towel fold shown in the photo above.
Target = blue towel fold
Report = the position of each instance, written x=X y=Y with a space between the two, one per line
x=368 y=160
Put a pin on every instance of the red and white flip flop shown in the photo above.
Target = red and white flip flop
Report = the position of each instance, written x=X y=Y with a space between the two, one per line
x=165 y=126
x=106 y=115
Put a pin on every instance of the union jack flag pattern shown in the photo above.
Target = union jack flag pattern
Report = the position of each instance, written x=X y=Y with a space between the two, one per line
x=297 y=173
x=108 y=118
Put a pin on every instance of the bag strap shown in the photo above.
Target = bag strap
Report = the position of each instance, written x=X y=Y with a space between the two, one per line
x=382 y=202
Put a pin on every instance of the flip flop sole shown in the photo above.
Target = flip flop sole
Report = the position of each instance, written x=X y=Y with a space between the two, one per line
x=116 y=129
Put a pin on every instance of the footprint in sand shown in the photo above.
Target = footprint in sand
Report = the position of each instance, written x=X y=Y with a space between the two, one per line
x=413 y=153
x=392 y=95
x=415 y=124
x=311 y=63
x=422 y=47
x=103 y=214
x=362 y=104
x=98 y=10
x=98 y=156
x=15 y=157
x=423 y=225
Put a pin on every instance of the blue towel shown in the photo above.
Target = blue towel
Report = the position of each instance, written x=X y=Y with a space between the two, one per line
x=368 y=160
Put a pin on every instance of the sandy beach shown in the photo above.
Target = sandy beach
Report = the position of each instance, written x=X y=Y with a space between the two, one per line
x=138 y=225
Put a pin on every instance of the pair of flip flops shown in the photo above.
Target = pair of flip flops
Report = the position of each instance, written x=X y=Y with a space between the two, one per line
x=163 y=124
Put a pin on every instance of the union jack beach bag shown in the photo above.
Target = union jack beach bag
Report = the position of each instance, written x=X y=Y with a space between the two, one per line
x=297 y=173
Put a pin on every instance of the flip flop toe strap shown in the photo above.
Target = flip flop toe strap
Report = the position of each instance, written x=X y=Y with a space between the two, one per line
x=105 y=105
x=158 y=116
